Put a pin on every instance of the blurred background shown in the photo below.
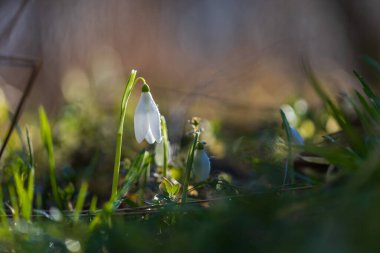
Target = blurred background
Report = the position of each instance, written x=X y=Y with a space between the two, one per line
x=234 y=60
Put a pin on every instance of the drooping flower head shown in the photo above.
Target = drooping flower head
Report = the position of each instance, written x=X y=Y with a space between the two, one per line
x=147 y=118
x=296 y=137
x=201 y=163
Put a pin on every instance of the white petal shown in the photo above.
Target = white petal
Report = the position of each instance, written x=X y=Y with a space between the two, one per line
x=201 y=165
x=296 y=137
x=141 y=119
x=149 y=137
x=154 y=118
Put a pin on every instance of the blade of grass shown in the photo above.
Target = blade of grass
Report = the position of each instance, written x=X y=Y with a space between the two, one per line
x=47 y=140
x=93 y=204
x=368 y=91
x=134 y=173
x=22 y=195
x=137 y=168
x=367 y=107
x=30 y=189
x=189 y=166
x=13 y=198
x=80 y=201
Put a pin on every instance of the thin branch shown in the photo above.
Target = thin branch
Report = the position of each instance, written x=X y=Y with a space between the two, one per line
x=22 y=62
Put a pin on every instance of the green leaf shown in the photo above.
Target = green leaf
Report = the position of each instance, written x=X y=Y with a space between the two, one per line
x=80 y=201
x=137 y=168
x=47 y=140
x=368 y=91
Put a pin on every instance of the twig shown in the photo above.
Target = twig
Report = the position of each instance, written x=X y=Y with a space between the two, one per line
x=22 y=62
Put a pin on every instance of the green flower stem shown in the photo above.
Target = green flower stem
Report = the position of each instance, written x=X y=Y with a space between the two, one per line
x=166 y=145
x=80 y=201
x=189 y=165
x=123 y=109
x=289 y=160
x=119 y=141
x=48 y=143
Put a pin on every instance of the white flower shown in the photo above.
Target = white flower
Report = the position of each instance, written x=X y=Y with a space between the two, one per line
x=201 y=164
x=296 y=137
x=147 y=118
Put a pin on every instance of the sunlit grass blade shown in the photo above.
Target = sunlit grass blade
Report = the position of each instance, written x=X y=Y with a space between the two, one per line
x=47 y=140
x=23 y=199
x=14 y=204
x=93 y=204
x=80 y=201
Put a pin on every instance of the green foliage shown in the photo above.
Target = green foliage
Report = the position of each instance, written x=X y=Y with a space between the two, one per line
x=225 y=213
x=80 y=201
x=47 y=140
x=138 y=169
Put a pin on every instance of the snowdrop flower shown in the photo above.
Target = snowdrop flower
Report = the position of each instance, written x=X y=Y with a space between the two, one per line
x=201 y=164
x=147 y=118
x=296 y=137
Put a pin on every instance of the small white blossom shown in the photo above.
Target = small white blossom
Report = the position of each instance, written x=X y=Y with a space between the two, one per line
x=147 y=118
x=201 y=164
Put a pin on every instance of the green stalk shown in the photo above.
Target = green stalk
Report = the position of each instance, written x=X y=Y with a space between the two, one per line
x=22 y=196
x=93 y=204
x=48 y=143
x=289 y=160
x=166 y=145
x=189 y=165
x=123 y=109
x=13 y=197
x=80 y=201
x=3 y=214
x=30 y=189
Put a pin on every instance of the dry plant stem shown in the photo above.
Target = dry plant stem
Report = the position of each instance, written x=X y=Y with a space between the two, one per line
x=21 y=62
x=189 y=165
